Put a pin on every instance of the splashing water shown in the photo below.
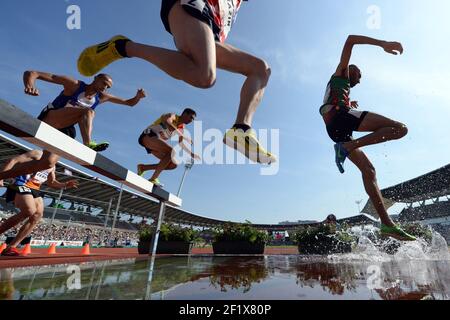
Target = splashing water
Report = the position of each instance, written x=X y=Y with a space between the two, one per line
x=372 y=249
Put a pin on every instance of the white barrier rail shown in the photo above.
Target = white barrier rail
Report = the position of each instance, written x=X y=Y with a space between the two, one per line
x=22 y=125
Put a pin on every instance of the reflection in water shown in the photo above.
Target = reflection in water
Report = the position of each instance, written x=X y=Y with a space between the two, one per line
x=200 y=278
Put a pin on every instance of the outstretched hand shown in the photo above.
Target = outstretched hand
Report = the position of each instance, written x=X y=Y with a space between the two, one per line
x=72 y=184
x=141 y=94
x=393 y=48
x=354 y=104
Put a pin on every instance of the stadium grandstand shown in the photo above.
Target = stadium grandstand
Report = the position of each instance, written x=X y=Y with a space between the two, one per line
x=426 y=200
x=100 y=210
x=105 y=213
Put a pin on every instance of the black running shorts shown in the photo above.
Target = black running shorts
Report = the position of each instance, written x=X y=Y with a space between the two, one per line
x=12 y=191
x=206 y=15
x=141 y=140
x=343 y=123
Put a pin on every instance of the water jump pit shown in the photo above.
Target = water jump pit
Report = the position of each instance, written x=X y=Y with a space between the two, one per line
x=416 y=271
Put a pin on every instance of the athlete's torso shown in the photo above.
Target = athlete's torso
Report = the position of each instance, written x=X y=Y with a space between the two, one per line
x=337 y=93
x=33 y=181
x=78 y=99
x=163 y=130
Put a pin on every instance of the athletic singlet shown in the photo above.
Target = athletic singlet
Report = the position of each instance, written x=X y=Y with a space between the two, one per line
x=163 y=130
x=33 y=181
x=224 y=13
x=78 y=99
x=337 y=94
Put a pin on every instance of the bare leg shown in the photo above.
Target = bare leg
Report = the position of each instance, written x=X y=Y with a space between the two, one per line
x=162 y=166
x=68 y=116
x=370 y=183
x=151 y=167
x=195 y=62
x=86 y=125
x=12 y=222
x=257 y=72
x=35 y=214
x=383 y=129
x=162 y=151
x=47 y=161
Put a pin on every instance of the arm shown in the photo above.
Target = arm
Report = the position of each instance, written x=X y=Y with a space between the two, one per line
x=26 y=157
x=55 y=184
x=169 y=119
x=130 y=102
x=186 y=148
x=30 y=77
x=389 y=47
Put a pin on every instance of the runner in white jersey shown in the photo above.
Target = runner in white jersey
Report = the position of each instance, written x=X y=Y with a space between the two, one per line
x=25 y=193
x=200 y=29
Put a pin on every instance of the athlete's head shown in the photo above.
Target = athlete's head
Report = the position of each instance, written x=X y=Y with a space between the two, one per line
x=355 y=75
x=102 y=82
x=188 y=116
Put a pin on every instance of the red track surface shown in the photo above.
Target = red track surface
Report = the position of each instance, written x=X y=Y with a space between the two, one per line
x=39 y=257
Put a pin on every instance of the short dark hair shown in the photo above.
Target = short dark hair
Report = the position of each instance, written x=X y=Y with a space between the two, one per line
x=189 y=111
x=103 y=75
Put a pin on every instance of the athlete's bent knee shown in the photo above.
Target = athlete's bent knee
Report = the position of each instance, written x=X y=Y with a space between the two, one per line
x=48 y=163
x=29 y=213
x=402 y=130
x=172 y=166
x=89 y=112
x=261 y=69
x=205 y=79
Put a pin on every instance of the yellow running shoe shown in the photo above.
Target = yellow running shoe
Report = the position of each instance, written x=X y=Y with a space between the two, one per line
x=247 y=144
x=95 y=58
x=157 y=183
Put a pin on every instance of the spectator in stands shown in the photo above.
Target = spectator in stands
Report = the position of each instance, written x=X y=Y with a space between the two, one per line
x=25 y=194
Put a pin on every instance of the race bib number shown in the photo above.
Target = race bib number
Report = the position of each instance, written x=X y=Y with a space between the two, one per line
x=24 y=189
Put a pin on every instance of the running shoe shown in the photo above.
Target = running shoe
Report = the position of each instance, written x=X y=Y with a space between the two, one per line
x=95 y=58
x=157 y=183
x=397 y=233
x=247 y=144
x=341 y=156
x=98 y=147
x=10 y=252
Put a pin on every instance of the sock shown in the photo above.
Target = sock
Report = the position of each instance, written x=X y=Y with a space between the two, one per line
x=243 y=127
x=120 y=47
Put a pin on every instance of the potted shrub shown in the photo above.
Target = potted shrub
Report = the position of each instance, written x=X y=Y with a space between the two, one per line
x=172 y=240
x=322 y=240
x=239 y=239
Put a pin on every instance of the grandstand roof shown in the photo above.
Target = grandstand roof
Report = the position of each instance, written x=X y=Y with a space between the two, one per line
x=98 y=193
x=431 y=185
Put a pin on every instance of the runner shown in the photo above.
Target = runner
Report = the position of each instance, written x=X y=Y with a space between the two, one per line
x=342 y=118
x=25 y=194
x=75 y=105
x=154 y=140
x=199 y=28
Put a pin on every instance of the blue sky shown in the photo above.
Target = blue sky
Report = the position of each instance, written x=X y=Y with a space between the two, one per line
x=302 y=42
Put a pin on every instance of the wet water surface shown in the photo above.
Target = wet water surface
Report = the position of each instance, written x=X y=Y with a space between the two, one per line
x=229 y=278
